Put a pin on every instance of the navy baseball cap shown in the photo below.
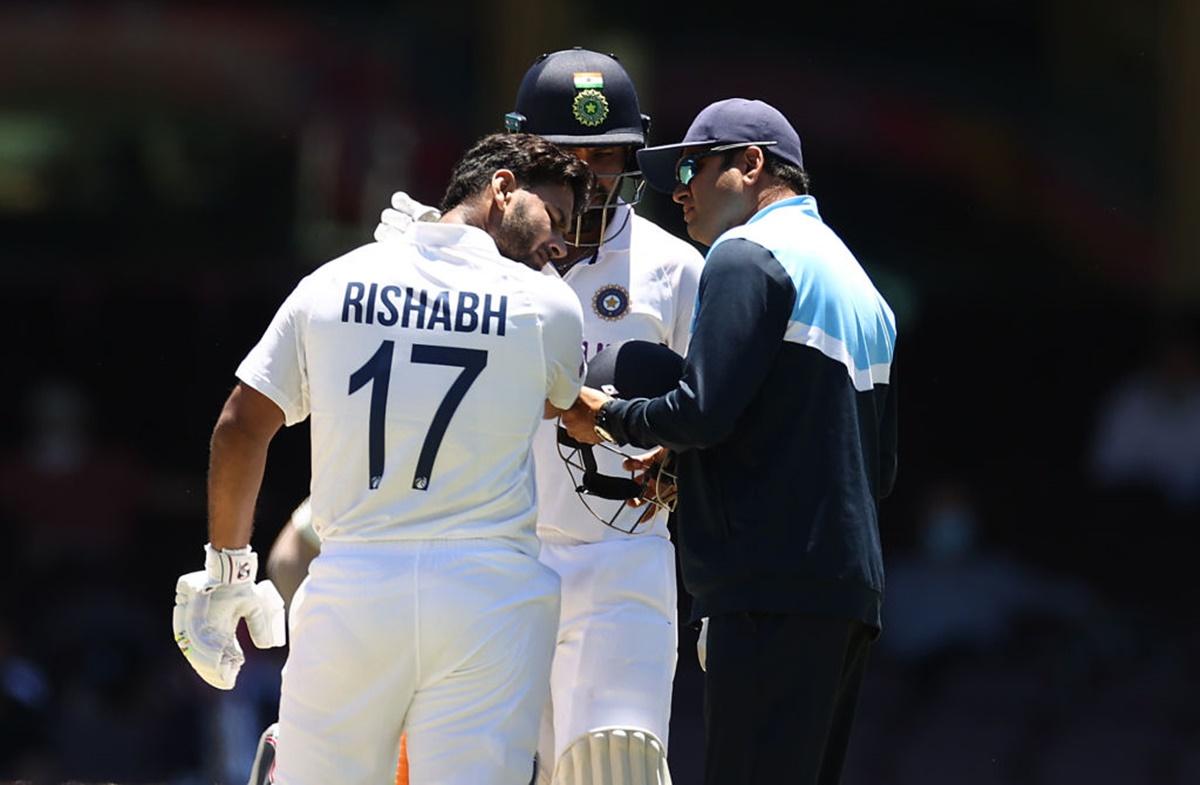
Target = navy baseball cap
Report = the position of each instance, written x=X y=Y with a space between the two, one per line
x=733 y=122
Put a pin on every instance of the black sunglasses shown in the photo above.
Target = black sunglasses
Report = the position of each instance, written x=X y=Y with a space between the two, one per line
x=687 y=167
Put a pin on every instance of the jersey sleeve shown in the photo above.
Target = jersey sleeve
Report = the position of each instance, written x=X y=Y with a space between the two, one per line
x=686 y=286
x=562 y=339
x=276 y=366
x=745 y=299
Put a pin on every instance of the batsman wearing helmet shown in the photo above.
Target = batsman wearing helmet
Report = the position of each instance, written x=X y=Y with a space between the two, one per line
x=615 y=659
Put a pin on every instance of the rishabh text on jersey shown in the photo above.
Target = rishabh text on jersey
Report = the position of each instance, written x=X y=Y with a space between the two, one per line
x=460 y=312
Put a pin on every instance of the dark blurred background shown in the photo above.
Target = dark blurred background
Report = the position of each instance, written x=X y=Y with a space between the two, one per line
x=1021 y=179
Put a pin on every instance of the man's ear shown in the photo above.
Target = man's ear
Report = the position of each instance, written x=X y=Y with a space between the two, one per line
x=504 y=184
x=753 y=163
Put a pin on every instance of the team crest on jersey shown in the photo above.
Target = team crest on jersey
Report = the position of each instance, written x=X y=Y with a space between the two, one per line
x=611 y=302
x=590 y=107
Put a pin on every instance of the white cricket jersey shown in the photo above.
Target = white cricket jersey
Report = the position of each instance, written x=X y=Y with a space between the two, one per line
x=424 y=363
x=642 y=285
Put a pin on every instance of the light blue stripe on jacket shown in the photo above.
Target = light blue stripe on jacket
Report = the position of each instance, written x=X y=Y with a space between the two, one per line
x=837 y=310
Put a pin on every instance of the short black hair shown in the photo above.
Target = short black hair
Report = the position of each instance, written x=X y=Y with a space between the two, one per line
x=796 y=178
x=533 y=160
x=792 y=176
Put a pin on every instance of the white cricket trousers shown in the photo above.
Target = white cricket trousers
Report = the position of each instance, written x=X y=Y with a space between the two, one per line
x=617 y=639
x=450 y=641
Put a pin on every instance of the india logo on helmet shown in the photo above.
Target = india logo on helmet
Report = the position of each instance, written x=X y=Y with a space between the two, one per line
x=590 y=107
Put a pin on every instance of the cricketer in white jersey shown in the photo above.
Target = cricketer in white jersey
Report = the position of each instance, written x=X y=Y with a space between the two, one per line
x=614 y=664
x=424 y=367
x=615 y=660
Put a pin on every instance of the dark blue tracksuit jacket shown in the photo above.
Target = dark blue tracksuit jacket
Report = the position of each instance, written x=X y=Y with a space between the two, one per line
x=784 y=423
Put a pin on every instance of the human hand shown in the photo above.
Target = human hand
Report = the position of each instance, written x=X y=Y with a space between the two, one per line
x=580 y=419
x=404 y=212
x=210 y=603
x=658 y=487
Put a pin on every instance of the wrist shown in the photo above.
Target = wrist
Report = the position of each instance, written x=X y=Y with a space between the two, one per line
x=604 y=421
x=230 y=565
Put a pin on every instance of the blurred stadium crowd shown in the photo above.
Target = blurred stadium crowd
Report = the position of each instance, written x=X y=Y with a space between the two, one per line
x=1017 y=177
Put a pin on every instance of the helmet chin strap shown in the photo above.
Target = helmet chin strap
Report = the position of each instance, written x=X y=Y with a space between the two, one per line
x=603 y=486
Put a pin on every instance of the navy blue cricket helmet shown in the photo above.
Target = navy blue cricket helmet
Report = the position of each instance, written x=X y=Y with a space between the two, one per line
x=579 y=98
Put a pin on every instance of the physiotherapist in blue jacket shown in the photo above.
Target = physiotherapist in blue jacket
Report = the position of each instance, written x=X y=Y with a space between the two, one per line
x=784 y=428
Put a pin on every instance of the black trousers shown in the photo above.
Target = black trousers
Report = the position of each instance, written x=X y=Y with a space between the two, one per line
x=780 y=694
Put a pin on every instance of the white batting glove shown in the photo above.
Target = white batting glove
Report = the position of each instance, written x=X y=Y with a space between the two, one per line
x=702 y=644
x=208 y=606
x=404 y=212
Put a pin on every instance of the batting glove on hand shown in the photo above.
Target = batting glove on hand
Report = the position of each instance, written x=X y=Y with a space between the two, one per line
x=208 y=606
x=403 y=213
